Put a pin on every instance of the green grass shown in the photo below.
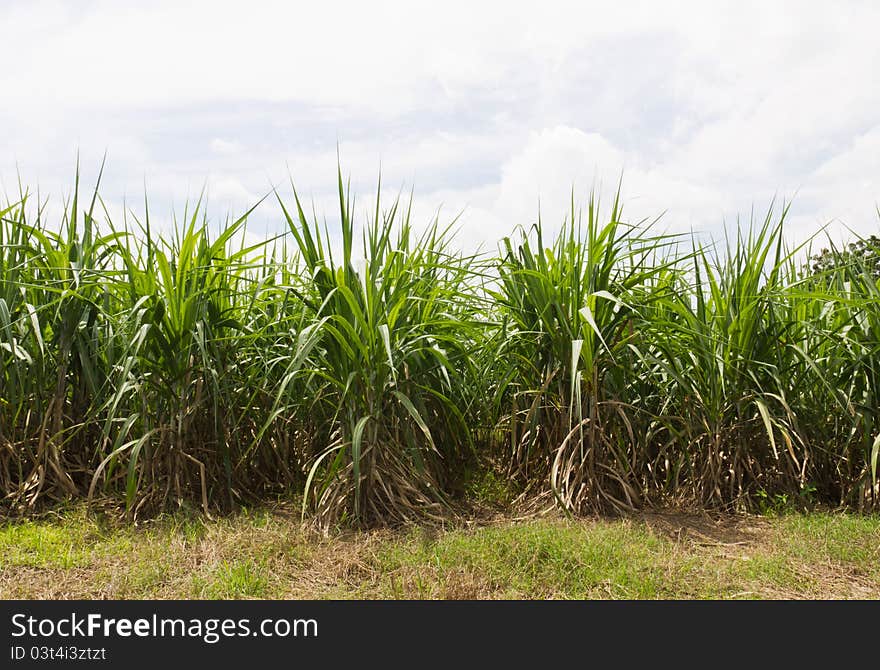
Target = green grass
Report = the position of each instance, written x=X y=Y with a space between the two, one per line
x=74 y=543
x=851 y=541
x=269 y=555
x=233 y=580
x=536 y=559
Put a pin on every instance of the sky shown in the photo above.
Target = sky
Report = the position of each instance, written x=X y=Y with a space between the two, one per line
x=706 y=110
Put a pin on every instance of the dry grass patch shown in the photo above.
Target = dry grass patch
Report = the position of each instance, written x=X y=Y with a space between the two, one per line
x=269 y=554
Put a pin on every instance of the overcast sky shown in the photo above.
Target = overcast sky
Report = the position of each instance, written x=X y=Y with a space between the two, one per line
x=706 y=108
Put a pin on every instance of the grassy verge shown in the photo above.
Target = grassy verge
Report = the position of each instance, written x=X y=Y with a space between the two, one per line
x=270 y=555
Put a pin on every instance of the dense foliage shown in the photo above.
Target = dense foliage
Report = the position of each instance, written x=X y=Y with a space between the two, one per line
x=375 y=370
x=864 y=251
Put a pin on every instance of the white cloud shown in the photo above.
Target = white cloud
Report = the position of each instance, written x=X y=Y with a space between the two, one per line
x=230 y=190
x=221 y=146
x=707 y=108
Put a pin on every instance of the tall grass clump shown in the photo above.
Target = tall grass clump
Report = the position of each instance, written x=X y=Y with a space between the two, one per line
x=842 y=316
x=128 y=361
x=394 y=333
x=727 y=353
x=52 y=327
x=185 y=338
x=571 y=307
